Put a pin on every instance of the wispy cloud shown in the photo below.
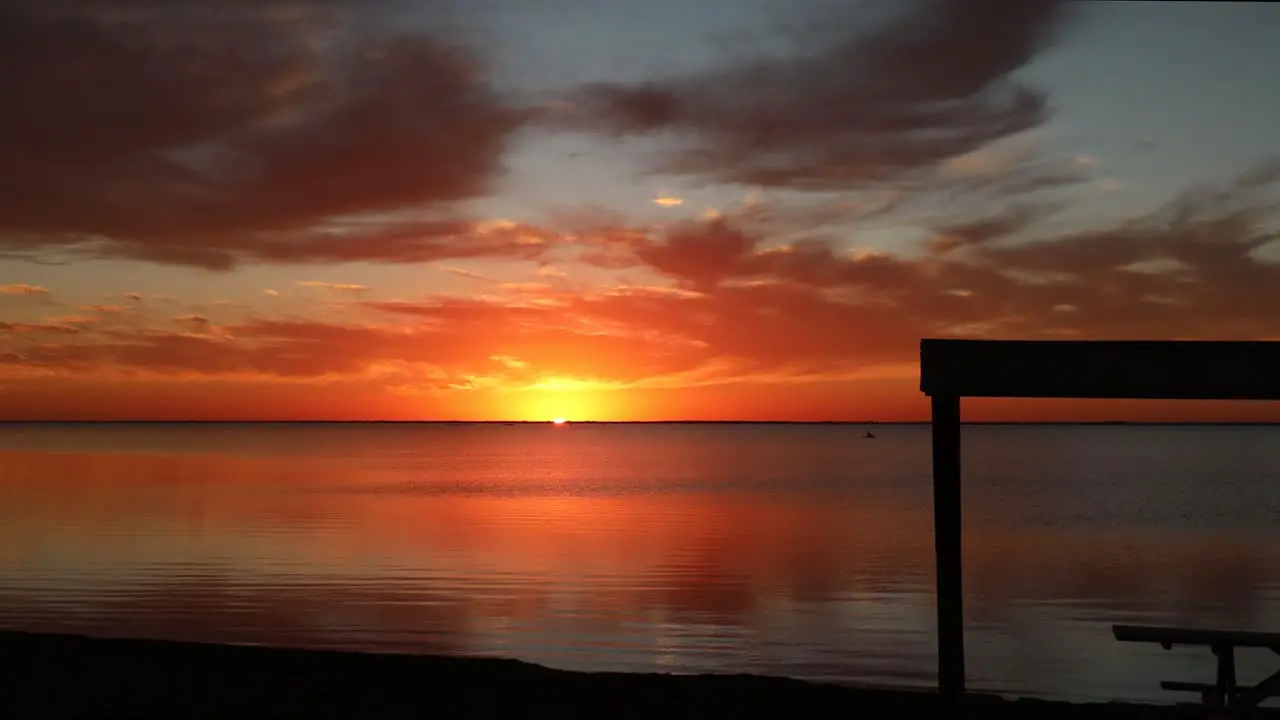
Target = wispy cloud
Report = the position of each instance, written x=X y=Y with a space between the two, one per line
x=338 y=287
x=23 y=289
x=468 y=274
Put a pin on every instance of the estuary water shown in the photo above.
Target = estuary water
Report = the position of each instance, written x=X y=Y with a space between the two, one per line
x=798 y=550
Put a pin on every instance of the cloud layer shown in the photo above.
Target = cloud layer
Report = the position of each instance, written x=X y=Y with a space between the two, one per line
x=185 y=133
x=728 y=307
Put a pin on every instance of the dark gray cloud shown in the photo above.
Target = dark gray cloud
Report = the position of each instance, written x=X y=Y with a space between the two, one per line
x=204 y=133
x=848 y=107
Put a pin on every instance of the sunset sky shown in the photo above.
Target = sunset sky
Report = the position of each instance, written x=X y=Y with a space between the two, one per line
x=617 y=209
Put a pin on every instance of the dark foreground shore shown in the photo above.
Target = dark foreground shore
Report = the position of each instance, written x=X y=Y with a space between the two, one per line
x=70 y=676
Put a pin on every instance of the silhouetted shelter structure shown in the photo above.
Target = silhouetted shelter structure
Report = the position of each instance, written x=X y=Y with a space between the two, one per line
x=1149 y=370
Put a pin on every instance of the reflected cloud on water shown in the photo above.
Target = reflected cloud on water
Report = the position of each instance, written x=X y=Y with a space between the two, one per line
x=826 y=582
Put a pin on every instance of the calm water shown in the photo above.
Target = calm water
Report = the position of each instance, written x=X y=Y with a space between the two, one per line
x=792 y=550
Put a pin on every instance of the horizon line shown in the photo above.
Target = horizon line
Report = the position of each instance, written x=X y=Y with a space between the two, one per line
x=633 y=422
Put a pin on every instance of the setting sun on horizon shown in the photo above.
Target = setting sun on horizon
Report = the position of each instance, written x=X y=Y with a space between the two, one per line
x=374 y=214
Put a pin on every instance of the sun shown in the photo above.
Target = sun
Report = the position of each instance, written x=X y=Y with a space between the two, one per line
x=559 y=421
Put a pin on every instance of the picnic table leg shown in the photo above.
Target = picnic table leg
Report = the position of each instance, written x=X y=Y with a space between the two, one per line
x=1226 y=674
x=1251 y=697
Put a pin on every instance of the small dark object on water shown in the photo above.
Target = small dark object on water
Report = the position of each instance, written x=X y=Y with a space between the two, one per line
x=869 y=436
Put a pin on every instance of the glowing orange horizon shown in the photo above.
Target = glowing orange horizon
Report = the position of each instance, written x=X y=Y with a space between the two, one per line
x=889 y=400
x=433 y=247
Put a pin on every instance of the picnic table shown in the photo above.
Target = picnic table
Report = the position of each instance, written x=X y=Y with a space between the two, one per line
x=1225 y=692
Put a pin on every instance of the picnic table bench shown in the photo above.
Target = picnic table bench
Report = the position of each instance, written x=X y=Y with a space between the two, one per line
x=1225 y=692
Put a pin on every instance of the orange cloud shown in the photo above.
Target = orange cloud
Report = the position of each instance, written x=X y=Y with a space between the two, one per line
x=8 y=327
x=727 y=306
x=23 y=289
x=339 y=287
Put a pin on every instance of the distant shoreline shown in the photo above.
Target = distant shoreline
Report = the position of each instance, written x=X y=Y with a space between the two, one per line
x=889 y=423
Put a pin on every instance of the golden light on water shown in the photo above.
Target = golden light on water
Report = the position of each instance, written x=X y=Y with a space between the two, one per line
x=559 y=421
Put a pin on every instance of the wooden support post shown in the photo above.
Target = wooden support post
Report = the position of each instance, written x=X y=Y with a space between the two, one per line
x=946 y=529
